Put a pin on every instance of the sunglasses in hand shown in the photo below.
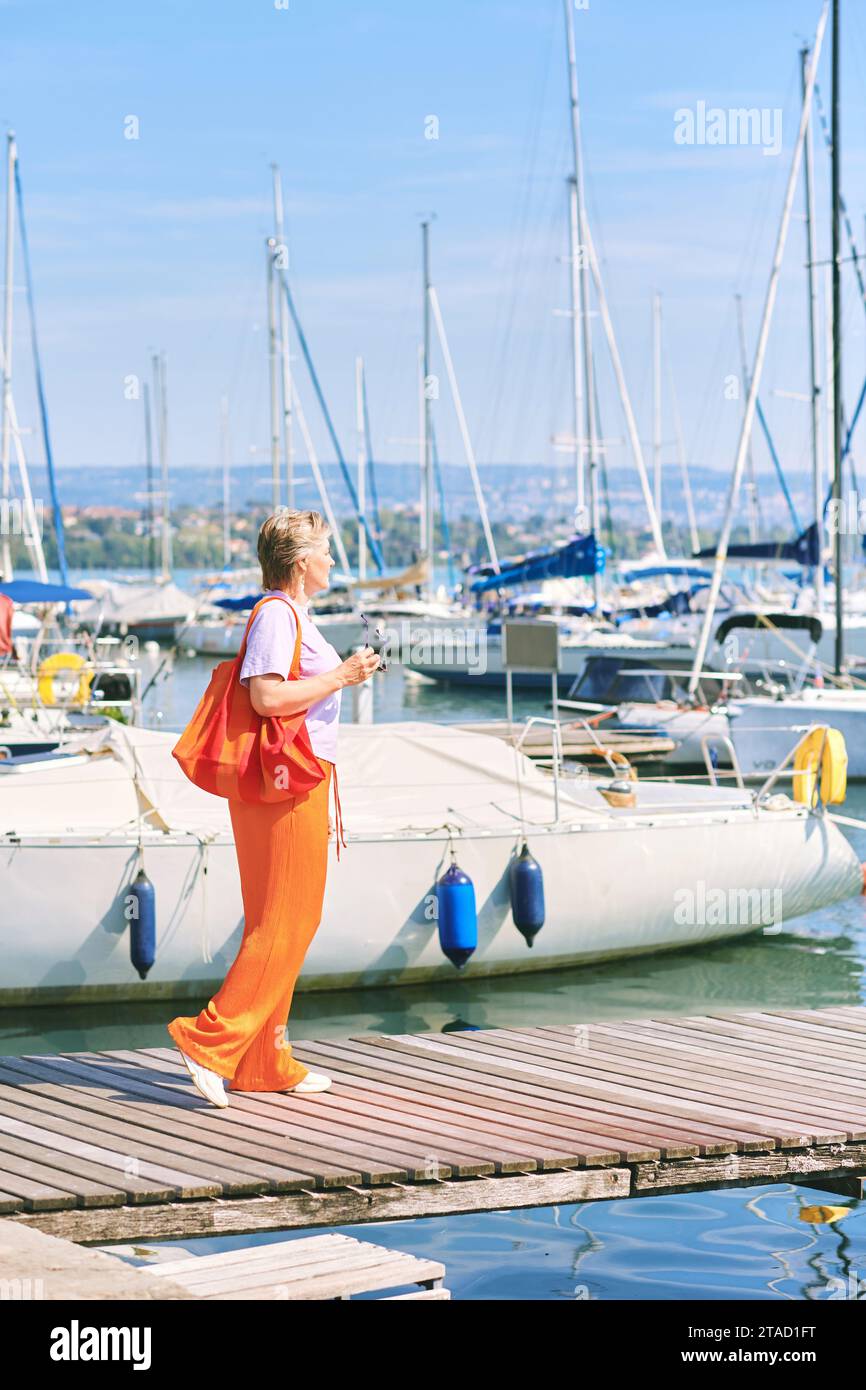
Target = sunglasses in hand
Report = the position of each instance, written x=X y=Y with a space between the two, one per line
x=378 y=642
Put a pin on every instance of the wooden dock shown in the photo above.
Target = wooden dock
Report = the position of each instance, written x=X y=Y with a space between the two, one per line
x=312 y=1267
x=113 y=1146
x=636 y=745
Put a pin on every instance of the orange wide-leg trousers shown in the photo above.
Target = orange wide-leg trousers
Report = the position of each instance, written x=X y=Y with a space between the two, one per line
x=282 y=851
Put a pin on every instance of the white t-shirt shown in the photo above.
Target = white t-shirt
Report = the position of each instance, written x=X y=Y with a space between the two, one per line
x=270 y=647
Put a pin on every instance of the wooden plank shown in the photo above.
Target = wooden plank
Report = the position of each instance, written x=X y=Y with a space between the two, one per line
x=73 y=1162
x=358 y=1267
x=36 y=1195
x=449 y=1099
x=149 y=1183
x=768 y=1041
x=362 y=1107
x=684 y=1104
x=351 y=1124
x=303 y=1248
x=595 y=1112
x=708 y=1032
x=312 y=1121
x=659 y=1048
x=335 y=1206
x=60 y=1119
x=482 y=1085
x=849 y=1024
x=206 y=1181
x=802 y=1040
x=655 y=1060
x=712 y=1141
x=218 y=1132
x=335 y=1284
x=409 y=1091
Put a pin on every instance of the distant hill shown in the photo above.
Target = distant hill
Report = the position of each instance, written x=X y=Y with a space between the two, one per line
x=511 y=490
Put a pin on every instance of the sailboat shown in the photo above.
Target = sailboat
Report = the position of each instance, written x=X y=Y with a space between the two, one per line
x=417 y=797
x=764 y=727
x=50 y=677
x=761 y=731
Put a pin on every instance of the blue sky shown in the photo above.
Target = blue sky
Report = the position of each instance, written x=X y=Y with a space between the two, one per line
x=159 y=241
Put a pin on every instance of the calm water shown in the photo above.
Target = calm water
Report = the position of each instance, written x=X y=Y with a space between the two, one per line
x=763 y=1242
x=736 y=1244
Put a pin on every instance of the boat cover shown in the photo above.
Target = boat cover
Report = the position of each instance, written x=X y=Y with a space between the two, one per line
x=393 y=778
x=117 y=602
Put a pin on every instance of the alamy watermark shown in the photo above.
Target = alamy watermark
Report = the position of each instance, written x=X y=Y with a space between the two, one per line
x=17 y=519
x=739 y=125
x=700 y=906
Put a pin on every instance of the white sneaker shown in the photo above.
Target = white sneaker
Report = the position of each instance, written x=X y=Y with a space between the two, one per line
x=208 y=1083
x=313 y=1081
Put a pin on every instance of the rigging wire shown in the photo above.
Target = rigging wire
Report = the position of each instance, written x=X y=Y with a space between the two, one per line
x=40 y=386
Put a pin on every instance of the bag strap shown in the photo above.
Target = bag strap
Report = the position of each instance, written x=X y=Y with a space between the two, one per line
x=296 y=655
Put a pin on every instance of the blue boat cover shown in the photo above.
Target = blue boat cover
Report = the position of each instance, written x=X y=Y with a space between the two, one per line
x=805 y=550
x=676 y=568
x=580 y=556
x=34 y=591
x=238 y=604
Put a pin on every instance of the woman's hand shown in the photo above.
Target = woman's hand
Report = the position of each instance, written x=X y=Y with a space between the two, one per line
x=358 y=667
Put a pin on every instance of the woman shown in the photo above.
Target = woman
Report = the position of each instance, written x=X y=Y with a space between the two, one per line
x=282 y=847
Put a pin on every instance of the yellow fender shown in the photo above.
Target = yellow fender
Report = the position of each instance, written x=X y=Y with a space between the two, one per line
x=52 y=666
x=833 y=769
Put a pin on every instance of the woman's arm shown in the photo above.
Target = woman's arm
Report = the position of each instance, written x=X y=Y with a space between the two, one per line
x=271 y=695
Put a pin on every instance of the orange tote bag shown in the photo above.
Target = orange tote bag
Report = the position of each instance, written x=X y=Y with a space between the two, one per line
x=229 y=750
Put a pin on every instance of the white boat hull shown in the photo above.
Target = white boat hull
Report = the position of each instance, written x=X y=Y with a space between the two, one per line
x=65 y=937
x=764 y=731
x=614 y=877
x=688 y=727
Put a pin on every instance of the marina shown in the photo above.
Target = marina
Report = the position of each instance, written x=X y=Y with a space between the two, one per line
x=432 y=787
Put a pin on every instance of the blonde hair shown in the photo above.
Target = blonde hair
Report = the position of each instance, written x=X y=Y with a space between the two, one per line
x=284 y=539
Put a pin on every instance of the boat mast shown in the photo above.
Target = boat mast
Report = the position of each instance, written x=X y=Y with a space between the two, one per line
x=285 y=358
x=362 y=465
x=657 y=402
x=463 y=427
x=837 y=344
x=811 y=268
x=313 y=460
x=576 y=355
x=270 y=254
x=225 y=450
x=750 y=461
x=577 y=223
x=628 y=412
x=684 y=467
x=161 y=406
x=148 y=466
x=422 y=446
x=427 y=434
x=11 y=156
x=760 y=353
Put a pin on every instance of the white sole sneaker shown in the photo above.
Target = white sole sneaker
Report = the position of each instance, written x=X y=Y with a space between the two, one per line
x=208 y=1083
x=313 y=1081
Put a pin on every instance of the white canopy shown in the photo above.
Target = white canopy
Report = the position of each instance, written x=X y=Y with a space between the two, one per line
x=121 y=602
